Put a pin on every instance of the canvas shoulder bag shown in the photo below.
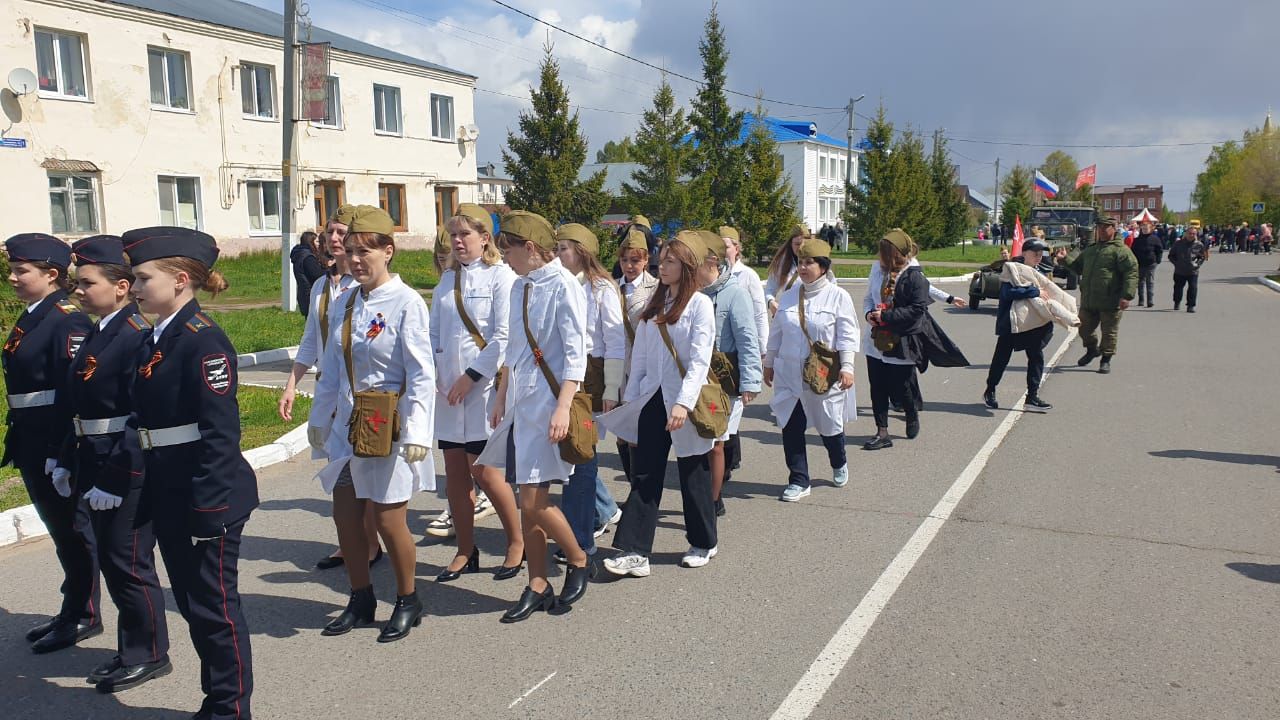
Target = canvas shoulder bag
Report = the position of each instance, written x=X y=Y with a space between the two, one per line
x=579 y=446
x=724 y=365
x=374 y=426
x=710 y=415
x=822 y=363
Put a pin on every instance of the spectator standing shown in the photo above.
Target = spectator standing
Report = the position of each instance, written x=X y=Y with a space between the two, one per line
x=1187 y=255
x=307 y=268
x=1108 y=277
x=1148 y=249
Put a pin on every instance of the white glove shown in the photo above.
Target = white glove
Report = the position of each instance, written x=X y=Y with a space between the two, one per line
x=62 y=481
x=102 y=500
x=49 y=465
x=415 y=453
x=316 y=437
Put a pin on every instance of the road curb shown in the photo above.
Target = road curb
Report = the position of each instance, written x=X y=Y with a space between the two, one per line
x=266 y=356
x=1269 y=282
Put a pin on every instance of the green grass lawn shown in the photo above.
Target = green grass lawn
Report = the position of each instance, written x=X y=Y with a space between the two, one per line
x=255 y=277
x=972 y=253
x=259 y=425
x=1274 y=278
x=257 y=329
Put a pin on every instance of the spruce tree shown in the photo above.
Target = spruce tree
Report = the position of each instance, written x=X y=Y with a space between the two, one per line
x=911 y=203
x=717 y=164
x=766 y=208
x=1016 y=198
x=864 y=211
x=543 y=160
x=656 y=190
x=953 y=210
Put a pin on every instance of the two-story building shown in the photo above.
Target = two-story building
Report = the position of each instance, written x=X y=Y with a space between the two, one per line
x=150 y=112
x=1125 y=201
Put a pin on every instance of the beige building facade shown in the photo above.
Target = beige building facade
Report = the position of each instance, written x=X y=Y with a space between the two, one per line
x=158 y=112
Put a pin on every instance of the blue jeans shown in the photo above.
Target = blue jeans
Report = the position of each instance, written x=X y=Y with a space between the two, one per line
x=606 y=506
x=579 y=501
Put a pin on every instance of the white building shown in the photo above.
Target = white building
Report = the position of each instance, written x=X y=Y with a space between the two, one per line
x=150 y=112
x=816 y=164
x=491 y=187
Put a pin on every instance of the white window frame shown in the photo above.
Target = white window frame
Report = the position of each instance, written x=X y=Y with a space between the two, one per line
x=199 y=203
x=249 y=84
x=57 y=37
x=399 y=131
x=259 y=191
x=1151 y=203
x=167 y=81
x=332 y=83
x=822 y=165
x=441 y=130
x=844 y=169
x=71 y=192
x=1130 y=203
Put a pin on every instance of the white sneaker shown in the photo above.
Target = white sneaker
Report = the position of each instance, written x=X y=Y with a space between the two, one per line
x=793 y=492
x=697 y=557
x=632 y=564
x=442 y=526
x=840 y=476
x=484 y=508
x=616 y=517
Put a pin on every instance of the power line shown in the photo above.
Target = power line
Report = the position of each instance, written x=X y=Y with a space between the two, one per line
x=580 y=107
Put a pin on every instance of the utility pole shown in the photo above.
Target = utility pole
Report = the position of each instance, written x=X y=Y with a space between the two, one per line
x=848 y=169
x=288 y=155
x=996 y=211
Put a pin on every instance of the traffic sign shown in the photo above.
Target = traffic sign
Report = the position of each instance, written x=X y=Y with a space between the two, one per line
x=1259 y=208
x=13 y=142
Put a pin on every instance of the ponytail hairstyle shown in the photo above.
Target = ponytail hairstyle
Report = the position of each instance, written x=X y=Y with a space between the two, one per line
x=202 y=278
x=657 y=309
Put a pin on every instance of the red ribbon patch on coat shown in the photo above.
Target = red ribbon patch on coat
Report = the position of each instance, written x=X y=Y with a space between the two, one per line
x=145 y=370
x=11 y=346
x=217 y=373
x=376 y=326
x=90 y=367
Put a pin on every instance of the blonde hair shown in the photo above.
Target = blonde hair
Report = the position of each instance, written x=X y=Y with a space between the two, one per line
x=489 y=256
x=202 y=278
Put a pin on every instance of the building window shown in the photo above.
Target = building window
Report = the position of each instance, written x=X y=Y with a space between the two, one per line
x=264 y=205
x=60 y=63
x=391 y=199
x=442 y=117
x=332 y=104
x=170 y=78
x=1151 y=203
x=258 y=90
x=822 y=166
x=179 y=201
x=73 y=204
x=386 y=109
x=844 y=169
x=1130 y=203
x=330 y=195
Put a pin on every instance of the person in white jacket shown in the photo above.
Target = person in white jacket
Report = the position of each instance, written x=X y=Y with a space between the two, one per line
x=636 y=287
x=748 y=279
x=782 y=268
x=830 y=319
x=654 y=417
x=548 y=305
x=389 y=345
x=470 y=310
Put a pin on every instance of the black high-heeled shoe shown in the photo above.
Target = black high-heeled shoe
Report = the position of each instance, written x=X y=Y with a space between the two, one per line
x=505 y=572
x=473 y=565
x=359 y=611
x=406 y=616
x=529 y=603
x=575 y=583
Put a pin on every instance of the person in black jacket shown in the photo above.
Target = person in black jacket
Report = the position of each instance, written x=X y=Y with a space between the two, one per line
x=1148 y=248
x=199 y=488
x=307 y=269
x=35 y=357
x=895 y=307
x=105 y=460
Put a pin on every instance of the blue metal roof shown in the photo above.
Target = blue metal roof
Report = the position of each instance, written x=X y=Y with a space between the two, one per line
x=251 y=18
x=787 y=131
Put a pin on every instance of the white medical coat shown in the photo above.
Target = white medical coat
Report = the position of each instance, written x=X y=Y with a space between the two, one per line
x=830 y=318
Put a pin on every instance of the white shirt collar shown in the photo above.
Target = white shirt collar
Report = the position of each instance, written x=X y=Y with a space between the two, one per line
x=160 y=326
x=32 y=307
x=102 y=324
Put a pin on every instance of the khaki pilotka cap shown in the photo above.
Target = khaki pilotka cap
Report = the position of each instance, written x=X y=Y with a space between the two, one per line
x=800 y=230
x=1107 y=221
x=367 y=218
x=642 y=220
x=715 y=244
x=730 y=233
x=581 y=234
x=531 y=227
x=477 y=213
x=343 y=215
x=635 y=241
x=692 y=240
x=899 y=238
x=814 y=248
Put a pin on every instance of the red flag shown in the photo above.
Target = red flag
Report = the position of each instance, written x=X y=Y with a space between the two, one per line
x=1016 y=249
x=1087 y=176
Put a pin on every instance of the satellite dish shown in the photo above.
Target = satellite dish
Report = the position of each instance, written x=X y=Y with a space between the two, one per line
x=22 y=81
x=469 y=132
x=813 y=130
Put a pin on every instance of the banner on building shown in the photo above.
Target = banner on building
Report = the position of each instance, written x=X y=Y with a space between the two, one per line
x=313 y=81
x=1087 y=176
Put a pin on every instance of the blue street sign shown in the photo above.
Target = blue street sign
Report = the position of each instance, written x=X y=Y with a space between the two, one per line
x=1259 y=208
x=13 y=142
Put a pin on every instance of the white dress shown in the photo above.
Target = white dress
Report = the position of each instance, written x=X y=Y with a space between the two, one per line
x=314 y=340
x=486 y=294
x=558 y=320
x=830 y=319
x=653 y=369
x=398 y=356
x=750 y=281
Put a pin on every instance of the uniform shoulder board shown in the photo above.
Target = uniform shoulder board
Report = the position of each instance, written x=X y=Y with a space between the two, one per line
x=67 y=307
x=139 y=323
x=199 y=322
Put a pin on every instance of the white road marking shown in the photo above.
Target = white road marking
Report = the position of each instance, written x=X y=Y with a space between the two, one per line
x=808 y=692
x=531 y=690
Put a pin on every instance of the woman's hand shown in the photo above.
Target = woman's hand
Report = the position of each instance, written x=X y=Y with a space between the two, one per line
x=748 y=396
x=960 y=302
x=873 y=317
x=768 y=377
x=559 y=429
x=773 y=307
x=678 y=415
x=415 y=453
x=499 y=411
x=846 y=379
x=285 y=408
x=460 y=388
x=609 y=405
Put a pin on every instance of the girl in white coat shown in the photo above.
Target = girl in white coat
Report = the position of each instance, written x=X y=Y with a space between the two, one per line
x=782 y=268
x=390 y=349
x=829 y=318
x=547 y=303
x=748 y=279
x=655 y=415
x=478 y=284
x=636 y=287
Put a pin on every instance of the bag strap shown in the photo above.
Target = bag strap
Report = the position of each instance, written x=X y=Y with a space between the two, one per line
x=537 y=352
x=626 y=317
x=462 y=310
x=804 y=327
x=666 y=338
x=346 y=343
x=325 y=299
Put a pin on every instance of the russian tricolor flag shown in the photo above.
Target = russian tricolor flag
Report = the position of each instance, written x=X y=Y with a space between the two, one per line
x=1045 y=185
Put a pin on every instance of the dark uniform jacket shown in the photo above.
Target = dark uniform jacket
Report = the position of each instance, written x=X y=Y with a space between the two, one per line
x=189 y=376
x=923 y=340
x=35 y=357
x=99 y=385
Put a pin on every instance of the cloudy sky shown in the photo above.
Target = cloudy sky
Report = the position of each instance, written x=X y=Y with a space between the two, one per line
x=1008 y=79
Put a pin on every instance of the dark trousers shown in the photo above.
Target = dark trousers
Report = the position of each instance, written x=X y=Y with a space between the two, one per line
x=793 y=446
x=1032 y=342
x=205 y=579
x=1191 y=282
x=649 y=469
x=890 y=381
x=126 y=553
x=624 y=455
x=72 y=533
x=1146 y=284
x=732 y=456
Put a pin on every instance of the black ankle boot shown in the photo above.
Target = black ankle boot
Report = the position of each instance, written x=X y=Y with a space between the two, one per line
x=406 y=616
x=575 y=583
x=989 y=398
x=529 y=603
x=473 y=565
x=359 y=611
x=913 y=426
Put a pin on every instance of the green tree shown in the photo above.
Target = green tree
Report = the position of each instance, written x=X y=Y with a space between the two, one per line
x=623 y=150
x=766 y=210
x=1015 y=199
x=656 y=189
x=1220 y=163
x=912 y=203
x=717 y=163
x=953 y=209
x=1062 y=169
x=867 y=197
x=544 y=158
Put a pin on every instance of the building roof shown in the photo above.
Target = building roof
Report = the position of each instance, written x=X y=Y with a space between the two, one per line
x=489 y=173
x=1117 y=189
x=251 y=18
x=976 y=198
x=787 y=131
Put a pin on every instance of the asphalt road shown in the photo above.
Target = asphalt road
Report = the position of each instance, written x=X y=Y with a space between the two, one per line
x=1117 y=557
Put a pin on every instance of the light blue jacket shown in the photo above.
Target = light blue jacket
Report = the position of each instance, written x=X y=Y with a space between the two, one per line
x=736 y=328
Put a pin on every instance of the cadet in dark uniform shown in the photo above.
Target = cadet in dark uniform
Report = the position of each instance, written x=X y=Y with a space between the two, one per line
x=199 y=488
x=106 y=461
x=35 y=358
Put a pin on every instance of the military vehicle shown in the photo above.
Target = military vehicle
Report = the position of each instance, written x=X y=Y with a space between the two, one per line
x=1066 y=224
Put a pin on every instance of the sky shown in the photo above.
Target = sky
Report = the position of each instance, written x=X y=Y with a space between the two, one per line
x=1007 y=79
